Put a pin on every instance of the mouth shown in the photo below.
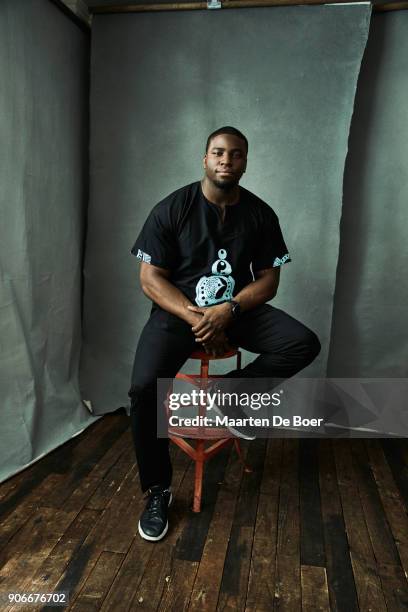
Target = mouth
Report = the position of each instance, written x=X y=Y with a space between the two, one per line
x=226 y=173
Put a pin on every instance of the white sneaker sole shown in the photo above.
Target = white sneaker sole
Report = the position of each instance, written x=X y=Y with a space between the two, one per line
x=163 y=533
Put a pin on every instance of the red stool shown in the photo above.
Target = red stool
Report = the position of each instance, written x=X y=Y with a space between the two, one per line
x=220 y=436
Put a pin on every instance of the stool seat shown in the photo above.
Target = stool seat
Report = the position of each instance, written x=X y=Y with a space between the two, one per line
x=203 y=356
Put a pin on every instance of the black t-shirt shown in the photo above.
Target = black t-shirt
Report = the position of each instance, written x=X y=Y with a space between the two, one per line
x=210 y=260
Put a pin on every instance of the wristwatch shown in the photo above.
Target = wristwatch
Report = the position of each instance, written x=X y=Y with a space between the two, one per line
x=235 y=309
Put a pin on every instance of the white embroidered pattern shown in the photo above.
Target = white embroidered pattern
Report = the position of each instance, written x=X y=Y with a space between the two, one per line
x=216 y=288
x=279 y=261
x=143 y=256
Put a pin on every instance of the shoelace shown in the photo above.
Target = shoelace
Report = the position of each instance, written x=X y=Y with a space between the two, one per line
x=155 y=500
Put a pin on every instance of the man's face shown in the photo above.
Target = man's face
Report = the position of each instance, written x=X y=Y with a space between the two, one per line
x=225 y=161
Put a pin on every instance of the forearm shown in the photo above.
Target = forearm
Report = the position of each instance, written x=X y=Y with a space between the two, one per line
x=256 y=293
x=167 y=296
x=219 y=317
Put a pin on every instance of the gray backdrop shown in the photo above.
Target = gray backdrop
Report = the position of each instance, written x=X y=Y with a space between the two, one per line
x=371 y=315
x=43 y=127
x=43 y=130
x=160 y=82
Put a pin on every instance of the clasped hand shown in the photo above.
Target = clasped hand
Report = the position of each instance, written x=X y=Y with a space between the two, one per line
x=210 y=330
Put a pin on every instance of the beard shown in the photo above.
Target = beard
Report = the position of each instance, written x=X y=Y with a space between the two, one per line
x=226 y=185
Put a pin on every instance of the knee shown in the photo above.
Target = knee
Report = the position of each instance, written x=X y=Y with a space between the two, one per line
x=311 y=346
x=134 y=394
x=139 y=393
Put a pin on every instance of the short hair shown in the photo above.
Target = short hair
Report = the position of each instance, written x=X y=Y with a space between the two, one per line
x=227 y=129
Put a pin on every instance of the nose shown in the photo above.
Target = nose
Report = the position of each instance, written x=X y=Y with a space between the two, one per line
x=226 y=159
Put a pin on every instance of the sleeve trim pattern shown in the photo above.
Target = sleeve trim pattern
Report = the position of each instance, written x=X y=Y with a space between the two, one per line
x=143 y=256
x=281 y=260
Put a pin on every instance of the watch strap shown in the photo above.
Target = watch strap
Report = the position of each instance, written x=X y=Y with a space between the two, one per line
x=235 y=309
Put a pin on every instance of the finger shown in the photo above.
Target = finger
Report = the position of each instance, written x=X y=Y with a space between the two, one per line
x=207 y=337
x=201 y=326
x=198 y=309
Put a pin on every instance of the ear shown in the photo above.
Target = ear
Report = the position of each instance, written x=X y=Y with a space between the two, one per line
x=205 y=161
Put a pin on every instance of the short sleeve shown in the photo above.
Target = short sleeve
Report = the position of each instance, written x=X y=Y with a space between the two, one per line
x=271 y=250
x=156 y=243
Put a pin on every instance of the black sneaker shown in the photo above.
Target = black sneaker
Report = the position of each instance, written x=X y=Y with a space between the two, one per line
x=235 y=416
x=153 y=524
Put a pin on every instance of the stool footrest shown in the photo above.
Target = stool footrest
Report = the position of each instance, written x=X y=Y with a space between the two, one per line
x=206 y=453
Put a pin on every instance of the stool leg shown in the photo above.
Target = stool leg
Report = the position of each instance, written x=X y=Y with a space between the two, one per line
x=199 y=470
x=204 y=368
x=202 y=409
x=241 y=458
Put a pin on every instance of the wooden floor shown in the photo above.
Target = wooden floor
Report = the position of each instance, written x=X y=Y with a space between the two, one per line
x=317 y=525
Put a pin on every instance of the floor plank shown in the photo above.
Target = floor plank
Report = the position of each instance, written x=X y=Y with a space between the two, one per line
x=48 y=574
x=157 y=570
x=233 y=588
x=366 y=576
x=98 y=582
x=206 y=587
x=113 y=532
x=262 y=575
x=317 y=525
x=396 y=452
x=342 y=589
x=391 y=499
x=311 y=533
x=315 y=592
x=34 y=543
x=287 y=589
x=377 y=524
x=49 y=479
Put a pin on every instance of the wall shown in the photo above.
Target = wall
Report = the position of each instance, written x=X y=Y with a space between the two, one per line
x=43 y=172
x=370 y=315
x=287 y=78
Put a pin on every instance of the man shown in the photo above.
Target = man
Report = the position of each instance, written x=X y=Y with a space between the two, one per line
x=210 y=260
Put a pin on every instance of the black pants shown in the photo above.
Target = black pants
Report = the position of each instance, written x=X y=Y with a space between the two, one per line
x=284 y=346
